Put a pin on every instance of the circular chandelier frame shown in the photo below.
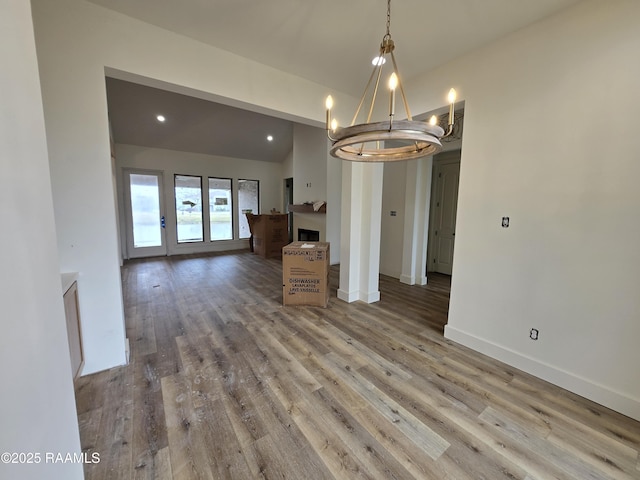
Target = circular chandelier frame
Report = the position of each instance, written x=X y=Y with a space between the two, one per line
x=381 y=142
x=391 y=140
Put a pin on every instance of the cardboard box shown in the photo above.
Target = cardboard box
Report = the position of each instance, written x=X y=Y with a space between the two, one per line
x=270 y=233
x=305 y=274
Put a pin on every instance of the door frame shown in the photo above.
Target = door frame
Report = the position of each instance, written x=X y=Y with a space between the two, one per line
x=288 y=200
x=130 y=250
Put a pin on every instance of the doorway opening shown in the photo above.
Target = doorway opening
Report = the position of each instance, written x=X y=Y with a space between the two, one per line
x=444 y=208
x=288 y=200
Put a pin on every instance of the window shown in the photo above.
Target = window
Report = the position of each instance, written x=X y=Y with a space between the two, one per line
x=248 y=202
x=188 y=192
x=220 y=208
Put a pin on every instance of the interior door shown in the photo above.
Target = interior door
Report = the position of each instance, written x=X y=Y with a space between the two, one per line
x=144 y=213
x=446 y=207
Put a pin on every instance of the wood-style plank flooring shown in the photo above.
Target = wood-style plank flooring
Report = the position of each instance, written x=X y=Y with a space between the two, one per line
x=226 y=383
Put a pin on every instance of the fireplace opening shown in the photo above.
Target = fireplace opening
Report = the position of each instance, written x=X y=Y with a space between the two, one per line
x=305 y=235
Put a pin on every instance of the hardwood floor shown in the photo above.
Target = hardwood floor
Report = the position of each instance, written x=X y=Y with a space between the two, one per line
x=225 y=382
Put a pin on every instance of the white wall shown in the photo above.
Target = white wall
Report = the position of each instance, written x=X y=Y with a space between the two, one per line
x=334 y=212
x=287 y=166
x=172 y=162
x=37 y=407
x=76 y=42
x=287 y=172
x=309 y=177
x=312 y=164
x=550 y=140
x=392 y=228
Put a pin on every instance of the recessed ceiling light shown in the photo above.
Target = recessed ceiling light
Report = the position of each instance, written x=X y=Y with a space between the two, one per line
x=270 y=138
x=378 y=61
x=161 y=118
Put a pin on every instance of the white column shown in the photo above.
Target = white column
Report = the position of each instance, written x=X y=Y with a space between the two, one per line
x=416 y=221
x=360 y=231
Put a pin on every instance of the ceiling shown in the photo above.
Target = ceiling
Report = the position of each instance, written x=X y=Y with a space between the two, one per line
x=330 y=42
x=193 y=125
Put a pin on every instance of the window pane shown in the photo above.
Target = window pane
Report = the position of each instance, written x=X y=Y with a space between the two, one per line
x=220 y=221
x=248 y=194
x=189 y=208
x=145 y=210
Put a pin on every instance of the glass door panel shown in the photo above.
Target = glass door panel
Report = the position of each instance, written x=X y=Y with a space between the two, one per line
x=145 y=211
x=145 y=216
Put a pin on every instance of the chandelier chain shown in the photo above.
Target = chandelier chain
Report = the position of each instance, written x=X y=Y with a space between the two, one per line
x=388 y=18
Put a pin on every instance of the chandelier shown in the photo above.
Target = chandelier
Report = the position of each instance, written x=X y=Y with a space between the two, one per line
x=390 y=140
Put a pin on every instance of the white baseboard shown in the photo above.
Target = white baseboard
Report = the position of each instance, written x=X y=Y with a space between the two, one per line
x=351 y=297
x=582 y=386
x=348 y=297
x=411 y=280
x=127 y=350
x=407 y=279
x=370 y=297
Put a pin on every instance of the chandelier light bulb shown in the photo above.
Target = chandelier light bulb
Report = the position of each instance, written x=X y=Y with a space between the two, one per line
x=393 y=81
x=452 y=95
x=393 y=84
x=334 y=125
x=452 y=101
x=433 y=120
x=329 y=102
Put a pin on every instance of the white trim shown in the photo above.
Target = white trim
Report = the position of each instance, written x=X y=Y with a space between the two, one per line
x=127 y=349
x=348 y=297
x=370 y=297
x=601 y=394
x=407 y=279
x=351 y=297
x=411 y=280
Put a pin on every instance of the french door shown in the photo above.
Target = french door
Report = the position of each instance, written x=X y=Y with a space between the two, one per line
x=145 y=213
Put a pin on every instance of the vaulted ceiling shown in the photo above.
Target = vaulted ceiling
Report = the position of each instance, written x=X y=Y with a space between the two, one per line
x=327 y=41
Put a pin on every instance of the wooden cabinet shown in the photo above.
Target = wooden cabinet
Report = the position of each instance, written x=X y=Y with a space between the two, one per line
x=72 y=314
x=269 y=233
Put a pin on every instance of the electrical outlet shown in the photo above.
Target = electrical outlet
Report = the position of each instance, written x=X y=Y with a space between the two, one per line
x=394 y=213
x=505 y=222
x=533 y=334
